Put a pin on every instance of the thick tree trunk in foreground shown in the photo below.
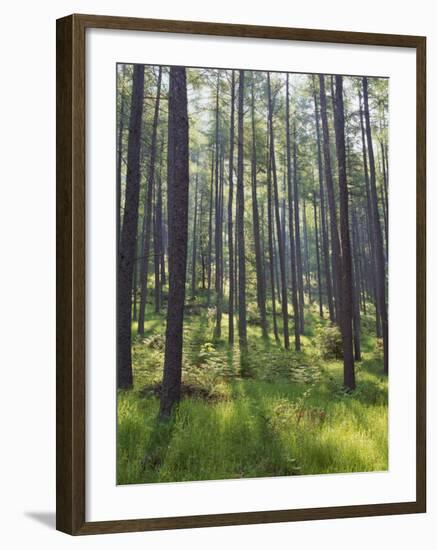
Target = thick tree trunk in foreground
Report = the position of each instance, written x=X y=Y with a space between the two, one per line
x=346 y=262
x=380 y=261
x=128 y=237
x=242 y=325
x=290 y=223
x=177 y=200
x=144 y=271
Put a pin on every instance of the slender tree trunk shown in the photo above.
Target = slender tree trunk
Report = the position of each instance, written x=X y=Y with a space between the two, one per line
x=159 y=245
x=270 y=232
x=380 y=261
x=384 y=195
x=194 y=256
x=294 y=298
x=164 y=246
x=370 y=224
x=323 y=214
x=281 y=248
x=356 y=289
x=217 y=228
x=219 y=253
x=346 y=309
x=319 y=278
x=260 y=276
x=297 y=233
x=230 y=216
x=242 y=326
x=128 y=237
x=121 y=116
x=177 y=197
x=144 y=271
x=307 y=256
x=209 y=263
x=335 y=241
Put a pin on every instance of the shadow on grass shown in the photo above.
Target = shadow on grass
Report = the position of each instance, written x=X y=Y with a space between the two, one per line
x=157 y=447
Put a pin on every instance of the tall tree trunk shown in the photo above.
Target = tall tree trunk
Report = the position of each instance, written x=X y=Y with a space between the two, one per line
x=294 y=298
x=297 y=233
x=230 y=216
x=384 y=195
x=370 y=224
x=307 y=256
x=242 y=325
x=356 y=289
x=323 y=224
x=217 y=228
x=194 y=255
x=346 y=309
x=335 y=241
x=281 y=248
x=120 y=132
x=144 y=271
x=211 y=197
x=319 y=278
x=270 y=232
x=380 y=261
x=219 y=253
x=260 y=276
x=128 y=237
x=177 y=197
x=158 y=239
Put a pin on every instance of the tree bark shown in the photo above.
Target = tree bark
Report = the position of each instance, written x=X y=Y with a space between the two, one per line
x=319 y=278
x=260 y=276
x=346 y=309
x=380 y=261
x=297 y=233
x=323 y=224
x=335 y=241
x=194 y=255
x=144 y=270
x=128 y=237
x=242 y=324
x=121 y=125
x=294 y=298
x=230 y=216
x=281 y=248
x=270 y=232
x=177 y=199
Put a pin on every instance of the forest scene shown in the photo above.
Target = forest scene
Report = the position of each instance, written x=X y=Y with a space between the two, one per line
x=252 y=274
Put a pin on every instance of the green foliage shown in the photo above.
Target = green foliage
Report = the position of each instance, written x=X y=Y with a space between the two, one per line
x=329 y=342
x=267 y=412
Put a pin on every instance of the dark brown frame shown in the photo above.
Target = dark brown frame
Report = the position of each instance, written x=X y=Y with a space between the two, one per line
x=70 y=298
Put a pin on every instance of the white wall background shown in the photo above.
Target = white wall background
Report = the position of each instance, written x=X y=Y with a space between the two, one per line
x=27 y=273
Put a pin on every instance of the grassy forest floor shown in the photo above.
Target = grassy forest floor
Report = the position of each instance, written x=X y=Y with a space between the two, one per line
x=270 y=413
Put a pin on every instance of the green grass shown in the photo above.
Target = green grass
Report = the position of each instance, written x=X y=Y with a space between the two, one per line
x=271 y=412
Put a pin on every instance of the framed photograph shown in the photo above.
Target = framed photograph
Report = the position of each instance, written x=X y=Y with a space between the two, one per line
x=240 y=274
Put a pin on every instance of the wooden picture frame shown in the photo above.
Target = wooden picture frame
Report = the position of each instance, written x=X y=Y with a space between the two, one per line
x=71 y=246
